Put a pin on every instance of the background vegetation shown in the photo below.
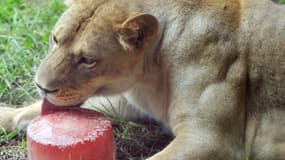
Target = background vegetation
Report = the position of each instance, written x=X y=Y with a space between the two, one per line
x=25 y=27
x=280 y=1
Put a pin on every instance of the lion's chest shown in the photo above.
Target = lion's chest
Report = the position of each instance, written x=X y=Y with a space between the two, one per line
x=149 y=101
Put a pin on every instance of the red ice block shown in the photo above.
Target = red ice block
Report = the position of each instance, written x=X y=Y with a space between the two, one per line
x=72 y=133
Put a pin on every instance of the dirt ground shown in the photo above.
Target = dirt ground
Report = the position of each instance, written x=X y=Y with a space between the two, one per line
x=137 y=143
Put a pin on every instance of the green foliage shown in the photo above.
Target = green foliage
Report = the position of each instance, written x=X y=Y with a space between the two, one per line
x=24 y=31
x=4 y=136
x=24 y=143
x=280 y=1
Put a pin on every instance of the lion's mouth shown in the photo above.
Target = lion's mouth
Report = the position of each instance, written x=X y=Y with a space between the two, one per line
x=48 y=107
x=67 y=97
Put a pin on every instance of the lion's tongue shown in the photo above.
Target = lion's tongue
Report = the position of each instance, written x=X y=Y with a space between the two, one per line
x=48 y=107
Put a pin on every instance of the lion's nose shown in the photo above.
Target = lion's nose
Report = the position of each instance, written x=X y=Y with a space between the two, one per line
x=45 y=90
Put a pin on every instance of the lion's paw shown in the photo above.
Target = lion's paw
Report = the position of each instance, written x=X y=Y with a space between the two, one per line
x=7 y=118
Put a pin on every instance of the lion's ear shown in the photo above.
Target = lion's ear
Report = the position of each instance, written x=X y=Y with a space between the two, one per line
x=137 y=30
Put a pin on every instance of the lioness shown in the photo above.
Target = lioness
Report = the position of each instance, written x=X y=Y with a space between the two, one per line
x=212 y=71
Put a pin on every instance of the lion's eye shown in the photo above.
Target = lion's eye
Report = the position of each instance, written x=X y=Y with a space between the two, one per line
x=88 y=62
x=55 y=40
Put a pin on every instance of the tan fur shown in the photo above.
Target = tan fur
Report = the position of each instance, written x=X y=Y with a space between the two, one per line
x=212 y=71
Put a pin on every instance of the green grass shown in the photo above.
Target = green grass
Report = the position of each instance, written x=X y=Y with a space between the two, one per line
x=280 y=1
x=4 y=136
x=24 y=31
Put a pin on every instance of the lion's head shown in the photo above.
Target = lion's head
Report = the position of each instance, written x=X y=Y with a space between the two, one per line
x=96 y=48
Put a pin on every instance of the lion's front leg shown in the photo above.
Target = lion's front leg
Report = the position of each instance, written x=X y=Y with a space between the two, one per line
x=210 y=127
x=203 y=143
x=12 y=118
